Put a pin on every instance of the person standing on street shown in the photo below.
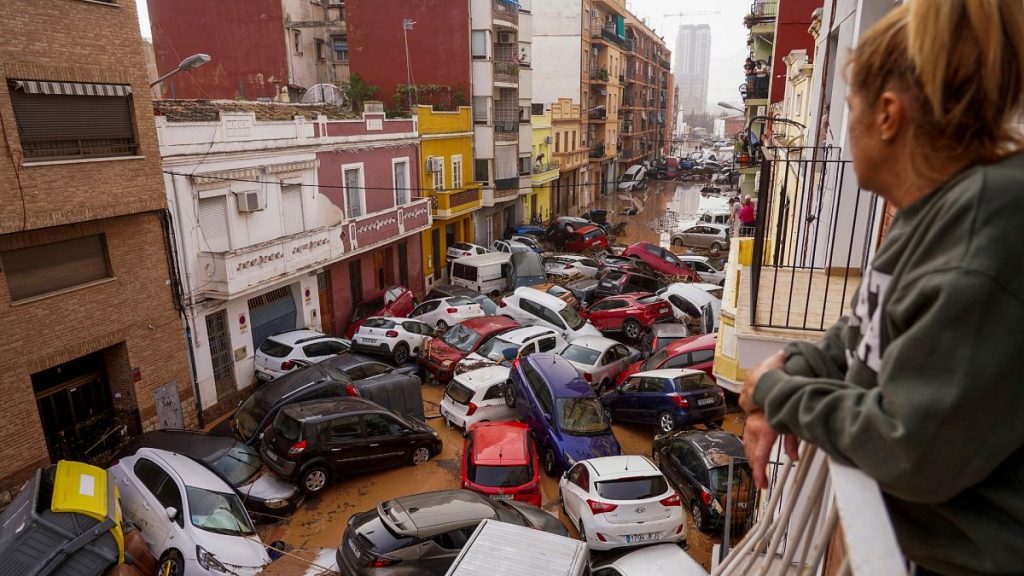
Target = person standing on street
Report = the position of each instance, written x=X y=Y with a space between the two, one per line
x=920 y=385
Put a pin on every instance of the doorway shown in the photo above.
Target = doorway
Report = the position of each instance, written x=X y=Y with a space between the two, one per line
x=220 y=354
x=435 y=247
x=323 y=285
x=270 y=313
x=76 y=408
x=380 y=268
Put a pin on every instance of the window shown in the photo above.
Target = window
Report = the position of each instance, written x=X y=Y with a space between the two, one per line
x=438 y=177
x=344 y=429
x=558 y=141
x=403 y=263
x=400 y=178
x=480 y=109
x=321 y=49
x=457 y=171
x=49 y=120
x=479 y=44
x=380 y=425
x=297 y=41
x=537 y=109
x=481 y=170
x=149 y=474
x=291 y=208
x=569 y=146
x=524 y=165
x=325 y=348
x=701 y=356
x=354 y=191
x=57 y=266
x=340 y=44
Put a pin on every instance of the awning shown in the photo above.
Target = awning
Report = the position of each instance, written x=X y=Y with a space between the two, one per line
x=70 y=88
x=513 y=2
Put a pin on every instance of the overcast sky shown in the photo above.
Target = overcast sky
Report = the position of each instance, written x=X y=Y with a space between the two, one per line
x=728 y=36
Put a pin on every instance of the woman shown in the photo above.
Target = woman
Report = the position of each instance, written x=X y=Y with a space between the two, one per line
x=747 y=216
x=920 y=387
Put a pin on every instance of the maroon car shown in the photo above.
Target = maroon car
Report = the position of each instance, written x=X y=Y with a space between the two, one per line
x=395 y=301
x=586 y=238
x=440 y=355
x=662 y=260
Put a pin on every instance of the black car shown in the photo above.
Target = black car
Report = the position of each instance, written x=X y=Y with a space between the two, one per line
x=615 y=283
x=265 y=495
x=612 y=263
x=696 y=462
x=449 y=290
x=584 y=291
x=316 y=442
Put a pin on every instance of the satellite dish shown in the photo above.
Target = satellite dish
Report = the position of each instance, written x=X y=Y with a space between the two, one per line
x=325 y=94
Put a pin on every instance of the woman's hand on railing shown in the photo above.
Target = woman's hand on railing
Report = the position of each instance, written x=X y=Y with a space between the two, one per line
x=758 y=435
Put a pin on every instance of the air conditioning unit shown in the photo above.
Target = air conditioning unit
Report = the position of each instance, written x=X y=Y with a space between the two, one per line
x=548 y=140
x=251 y=201
x=506 y=37
x=435 y=164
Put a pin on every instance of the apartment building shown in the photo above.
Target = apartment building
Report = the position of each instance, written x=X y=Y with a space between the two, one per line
x=573 y=157
x=537 y=206
x=645 y=120
x=93 y=343
x=693 y=67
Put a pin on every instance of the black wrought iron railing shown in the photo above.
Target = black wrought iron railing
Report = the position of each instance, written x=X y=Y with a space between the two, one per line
x=813 y=232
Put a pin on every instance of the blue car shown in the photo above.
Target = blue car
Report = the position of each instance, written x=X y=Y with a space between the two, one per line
x=565 y=416
x=668 y=398
x=529 y=230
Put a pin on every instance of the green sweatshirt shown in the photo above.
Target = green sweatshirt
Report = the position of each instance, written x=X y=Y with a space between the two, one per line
x=922 y=385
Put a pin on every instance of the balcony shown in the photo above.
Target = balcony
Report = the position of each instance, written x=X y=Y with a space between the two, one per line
x=505 y=189
x=506 y=66
x=598 y=114
x=608 y=35
x=544 y=173
x=505 y=11
x=452 y=203
x=569 y=161
x=755 y=88
x=664 y=63
x=599 y=75
x=597 y=151
x=764 y=9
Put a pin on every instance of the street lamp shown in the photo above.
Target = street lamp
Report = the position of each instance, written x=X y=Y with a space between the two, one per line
x=188 y=64
x=731 y=107
x=407 y=24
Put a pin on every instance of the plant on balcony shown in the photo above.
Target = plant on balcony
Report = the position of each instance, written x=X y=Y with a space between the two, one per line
x=507 y=68
x=357 y=91
x=440 y=96
x=602 y=74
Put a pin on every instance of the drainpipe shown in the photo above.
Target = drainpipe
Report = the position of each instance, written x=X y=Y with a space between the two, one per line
x=186 y=309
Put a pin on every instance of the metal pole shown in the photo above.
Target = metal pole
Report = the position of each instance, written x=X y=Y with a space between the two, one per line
x=724 y=550
x=406 y=26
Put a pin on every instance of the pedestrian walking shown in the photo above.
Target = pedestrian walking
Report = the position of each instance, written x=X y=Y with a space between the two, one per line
x=919 y=385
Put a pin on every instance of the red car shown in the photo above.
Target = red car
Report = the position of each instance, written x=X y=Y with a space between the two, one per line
x=628 y=313
x=440 y=355
x=696 y=352
x=586 y=238
x=395 y=301
x=499 y=460
x=661 y=260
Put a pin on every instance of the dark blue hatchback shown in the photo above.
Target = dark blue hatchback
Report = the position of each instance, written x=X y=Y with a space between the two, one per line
x=667 y=398
x=565 y=416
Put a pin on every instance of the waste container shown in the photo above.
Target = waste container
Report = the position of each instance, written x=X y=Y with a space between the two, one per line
x=65 y=522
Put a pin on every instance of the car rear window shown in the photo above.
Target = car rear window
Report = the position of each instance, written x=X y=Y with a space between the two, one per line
x=594 y=234
x=288 y=427
x=500 y=476
x=648 y=300
x=380 y=539
x=692 y=382
x=574 y=353
x=634 y=488
x=459 y=392
x=379 y=323
x=461 y=301
x=275 y=349
x=557 y=290
x=462 y=246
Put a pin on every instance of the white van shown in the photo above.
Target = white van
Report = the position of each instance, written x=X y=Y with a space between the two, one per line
x=485 y=273
x=501 y=549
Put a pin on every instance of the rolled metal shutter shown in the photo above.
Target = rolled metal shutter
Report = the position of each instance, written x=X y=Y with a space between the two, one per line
x=271 y=313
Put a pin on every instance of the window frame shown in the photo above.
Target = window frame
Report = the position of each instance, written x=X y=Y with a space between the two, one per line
x=457 y=180
x=472 y=47
x=360 y=168
x=108 y=276
x=437 y=178
x=407 y=189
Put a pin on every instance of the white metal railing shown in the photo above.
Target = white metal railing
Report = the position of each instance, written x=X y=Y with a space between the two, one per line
x=807 y=502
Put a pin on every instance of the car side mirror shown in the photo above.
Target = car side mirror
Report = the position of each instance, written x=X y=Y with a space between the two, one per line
x=547 y=417
x=406 y=432
x=172 y=512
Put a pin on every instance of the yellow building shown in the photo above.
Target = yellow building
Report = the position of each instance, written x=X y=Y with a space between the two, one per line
x=537 y=205
x=571 y=155
x=446 y=176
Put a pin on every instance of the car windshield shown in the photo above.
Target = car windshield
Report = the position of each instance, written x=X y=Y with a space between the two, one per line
x=582 y=417
x=459 y=392
x=672 y=258
x=501 y=476
x=634 y=488
x=461 y=338
x=692 y=382
x=656 y=360
x=218 y=512
x=740 y=476
x=574 y=353
x=368 y=308
x=496 y=349
x=238 y=465
x=571 y=317
x=249 y=416
x=275 y=349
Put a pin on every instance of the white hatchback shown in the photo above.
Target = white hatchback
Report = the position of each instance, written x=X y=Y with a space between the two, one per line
x=462 y=249
x=657 y=560
x=398 y=338
x=285 y=351
x=512 y=344
x=599 y=360
x=619 y=501
x=476 y=396
x=531 y=307
x=709 y=271
x=445 y=312
x=190 y=518
x=571 y=265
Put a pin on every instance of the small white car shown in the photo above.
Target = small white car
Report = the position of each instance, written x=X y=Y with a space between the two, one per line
x=399 y=338
x=571 y=265
x=618 y=501
x=711 y=289
x=634 y=178
x=461 y=249
x=510 y=246
x=710 y=272
x=532 y=243
x=531 y=307
x=278 y=353
x=476 y=396
x=514 y=343
x=657 y=560
x=599 y=360
x=193 y=521
x=690 y=303
x=714 y=237
x=445 y=312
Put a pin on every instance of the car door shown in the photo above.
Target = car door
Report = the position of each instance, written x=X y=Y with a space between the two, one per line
x=344 y=445
x=426 y=312
x=150 y=490
x=681 y=454
x=414 y=333
x=388 y=441
x=651 y=399
x=624 y=405
x=439 y=551
x=576 y=491
x=619 y=359
x=605 y=368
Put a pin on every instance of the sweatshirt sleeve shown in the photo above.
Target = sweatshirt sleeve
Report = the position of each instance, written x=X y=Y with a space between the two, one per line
x=946 y=410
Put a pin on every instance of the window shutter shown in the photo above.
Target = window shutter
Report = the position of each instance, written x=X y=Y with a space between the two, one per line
x=213 y=224
x=52 y=126
x=291 y=207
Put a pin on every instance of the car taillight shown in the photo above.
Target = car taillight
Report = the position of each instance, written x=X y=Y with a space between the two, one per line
x=381 y=563
x=297 y=448
x=351 y=389
x=588 y=377
x=680 y=400
x=453 y=310
x=601 y=537
x=600 y=507
x=705 y=497
x=287 y=365
x=672 y=500
x=391 y=333
x=501 y=303
x=472 y=408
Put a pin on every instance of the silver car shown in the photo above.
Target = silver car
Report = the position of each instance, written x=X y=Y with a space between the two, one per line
x=709 y=271
x=599 y=360
x=714 y=237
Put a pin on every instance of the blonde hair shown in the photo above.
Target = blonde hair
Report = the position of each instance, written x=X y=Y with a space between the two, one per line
x=961 y=63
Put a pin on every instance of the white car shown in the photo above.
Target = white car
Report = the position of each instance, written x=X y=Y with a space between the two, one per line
x=476 y=396
x=690 y=303
x=599 y=360
x=710 y=272
x=445 y=312
x=531 y=307
x=711 y=289
x=571 y=265
x=510 y=246
x=399 y=338
x=530 y=242
x=657 y=560
x=460 y=249
x=618 y=501
x=634 y=178
x=278 y=353
x=512 y=344
x=714 y=237
x=192 y=520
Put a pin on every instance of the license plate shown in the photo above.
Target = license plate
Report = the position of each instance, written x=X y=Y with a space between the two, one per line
x=705 y=401
x=263 y=376
x=370 y=340
x=635 y=538
x=501 y=496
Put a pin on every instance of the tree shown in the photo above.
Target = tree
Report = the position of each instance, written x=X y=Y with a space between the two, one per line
x=358 y=92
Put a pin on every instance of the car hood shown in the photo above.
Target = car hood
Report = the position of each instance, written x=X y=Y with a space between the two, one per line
x=587 y=329
x=267 y=486
x=585 y=447
x=439 y=352
x=234 y=551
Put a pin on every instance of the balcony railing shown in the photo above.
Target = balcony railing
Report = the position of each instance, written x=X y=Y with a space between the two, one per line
x=597 y=151
x=544 y=172
x=764 y=9
x=599 y=75
x=755 y=87
x=813 y=232
x=506 y=67
x=451 y=203
x=505 y=10
x=598 y=114
x=610 y=35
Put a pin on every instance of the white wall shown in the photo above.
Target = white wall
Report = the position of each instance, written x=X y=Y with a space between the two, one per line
x=556 y=68
x=483 y=77
x=483 y=143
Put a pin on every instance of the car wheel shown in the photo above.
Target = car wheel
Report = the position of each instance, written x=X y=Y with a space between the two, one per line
x=420 y=455
x=677 y=241
x=172 y=564
x=632 y=329
x=400 y=354
x=548 y=462
x=509 y=393
x=666 y=423
x=314 y=479
x=442 y=326
x=716 y=247
x=697 y=516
